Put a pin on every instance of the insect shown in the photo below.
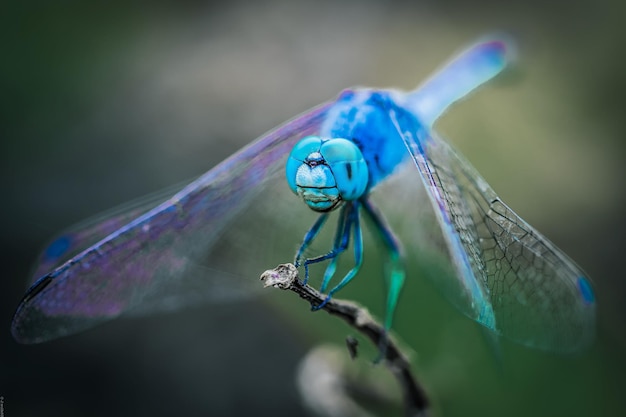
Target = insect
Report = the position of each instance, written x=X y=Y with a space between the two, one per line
x=167 y=253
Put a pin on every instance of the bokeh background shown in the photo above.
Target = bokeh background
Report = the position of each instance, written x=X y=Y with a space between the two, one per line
x=100 y=104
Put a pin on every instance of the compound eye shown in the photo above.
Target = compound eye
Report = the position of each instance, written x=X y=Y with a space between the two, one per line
x=298 y=155
x=306 y=147
x=348 y=166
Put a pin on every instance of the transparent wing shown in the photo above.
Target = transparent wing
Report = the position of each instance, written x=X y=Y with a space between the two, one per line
x=177 y=253
x=507 y=276
x=89 y=232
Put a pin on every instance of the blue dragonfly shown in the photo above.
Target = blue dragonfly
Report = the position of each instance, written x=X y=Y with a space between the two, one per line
x=357 y=156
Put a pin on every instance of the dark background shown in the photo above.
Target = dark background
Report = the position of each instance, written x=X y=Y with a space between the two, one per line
x=100 y=104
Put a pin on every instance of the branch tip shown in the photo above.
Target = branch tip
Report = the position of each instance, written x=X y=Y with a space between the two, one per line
x=285 y=277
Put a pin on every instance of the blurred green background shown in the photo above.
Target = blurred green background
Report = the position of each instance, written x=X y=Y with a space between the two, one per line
x=101 y=103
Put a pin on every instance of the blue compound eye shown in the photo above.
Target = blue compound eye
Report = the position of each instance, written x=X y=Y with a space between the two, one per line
x=348 y=166
x=299 y=154
x=326 y=172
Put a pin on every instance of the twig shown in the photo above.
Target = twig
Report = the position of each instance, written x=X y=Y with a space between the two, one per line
x=285 y=277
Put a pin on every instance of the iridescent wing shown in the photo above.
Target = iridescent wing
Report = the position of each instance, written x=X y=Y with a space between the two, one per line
x=510 y=278
x=171 y=255
x=506 y=275
x=90 y=231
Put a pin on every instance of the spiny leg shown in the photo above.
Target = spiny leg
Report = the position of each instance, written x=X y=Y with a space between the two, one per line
x=308 y=238
x=395 y=278
x=352 y=222
x=338 y=246
x=310 y=235
x=342 y=240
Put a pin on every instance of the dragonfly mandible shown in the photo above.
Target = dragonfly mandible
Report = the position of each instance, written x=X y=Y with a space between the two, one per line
x=167 y=252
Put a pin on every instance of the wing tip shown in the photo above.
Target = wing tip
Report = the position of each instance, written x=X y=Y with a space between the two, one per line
x=585 y=290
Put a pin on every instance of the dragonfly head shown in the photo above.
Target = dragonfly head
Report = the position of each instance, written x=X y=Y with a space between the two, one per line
x=326 y=172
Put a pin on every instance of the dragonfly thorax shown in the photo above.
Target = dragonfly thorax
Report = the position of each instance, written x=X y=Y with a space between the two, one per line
x=326 y=172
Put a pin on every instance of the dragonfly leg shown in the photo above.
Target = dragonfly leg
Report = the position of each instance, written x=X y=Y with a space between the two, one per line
x=395 y=272
x=308 y=238
x=340 y=244
x=342 y=239
x=352 y=221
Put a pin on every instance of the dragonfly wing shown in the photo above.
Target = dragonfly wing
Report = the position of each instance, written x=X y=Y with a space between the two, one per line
x=171 y=255
x=89 y=232
x=513 y=279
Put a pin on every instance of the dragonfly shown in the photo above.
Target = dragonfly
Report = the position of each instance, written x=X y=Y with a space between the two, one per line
x=169 y=252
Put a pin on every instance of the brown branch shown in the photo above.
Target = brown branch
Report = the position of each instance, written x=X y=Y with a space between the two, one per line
x=285 y=277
